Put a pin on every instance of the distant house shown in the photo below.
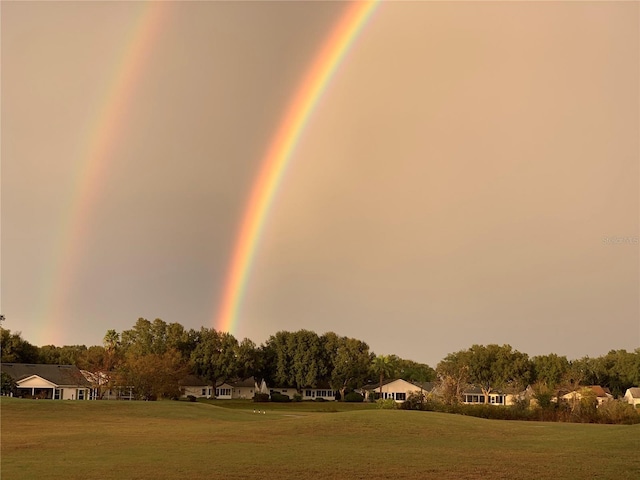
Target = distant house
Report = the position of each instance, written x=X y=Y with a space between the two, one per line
x=394 y=388
x=601 y=394
x=54 y=382
x=243 y=388
x=196 y=387
x=632 y=396
x=322 y=391
x=474 y=396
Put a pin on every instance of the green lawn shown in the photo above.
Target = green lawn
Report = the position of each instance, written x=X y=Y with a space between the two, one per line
x=170 y=440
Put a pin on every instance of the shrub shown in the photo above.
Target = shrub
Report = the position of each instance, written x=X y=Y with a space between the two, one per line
x=353 y=397
x=414 y=401
x=319 y=399
x=279 y=397
x=388 y=404
x=191 y=398
x=619 y=412
x=297 y=397
x=261 y=397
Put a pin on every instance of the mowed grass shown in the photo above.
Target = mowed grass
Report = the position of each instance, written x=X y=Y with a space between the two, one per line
x=167 y=440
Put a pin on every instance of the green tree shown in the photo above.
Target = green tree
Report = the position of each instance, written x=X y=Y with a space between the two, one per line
x=384 y=366
x=350 y=363
x=453 y=375
x=493 y=367
x=15 y=349
x=216 y=356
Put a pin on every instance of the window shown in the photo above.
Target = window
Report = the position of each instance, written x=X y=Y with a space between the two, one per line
x=401 y=396
x=307 y=393
x=80 y=394
x=57 y=394
x=204 y=391
x=223 y=392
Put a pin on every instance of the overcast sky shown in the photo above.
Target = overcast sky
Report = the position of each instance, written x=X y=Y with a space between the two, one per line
x=469 y=176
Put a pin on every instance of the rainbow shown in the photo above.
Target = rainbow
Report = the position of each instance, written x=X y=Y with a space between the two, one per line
x=92 y=166
x=279 y=153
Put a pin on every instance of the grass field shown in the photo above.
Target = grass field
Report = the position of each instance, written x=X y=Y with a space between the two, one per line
x=171 y=440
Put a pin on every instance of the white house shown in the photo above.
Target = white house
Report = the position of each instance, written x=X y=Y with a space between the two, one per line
x=196 y=387
x=394 y=388
x=56 y=382
x=632 y=396
x=321 y=391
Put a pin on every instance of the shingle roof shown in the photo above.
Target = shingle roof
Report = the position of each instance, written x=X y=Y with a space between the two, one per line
x=634 y=392
x=61 y=375
x=247 y=382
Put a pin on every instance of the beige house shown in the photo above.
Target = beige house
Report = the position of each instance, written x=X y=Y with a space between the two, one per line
x=474 y=396
x=394 y=388
x=601 y=394
x=632 y=396
x=53 y=382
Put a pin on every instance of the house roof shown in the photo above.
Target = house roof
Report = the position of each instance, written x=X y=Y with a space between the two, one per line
x=61 y=375
x=193 y=381
x=634 y=392
x=246 y=382
x=428 y=386
x=599 y=391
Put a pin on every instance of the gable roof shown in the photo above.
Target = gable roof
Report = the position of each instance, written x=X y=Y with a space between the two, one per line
x=246 y=382
x=634 y=392
x=60 y=375
x=599 y=391
x=428 y=386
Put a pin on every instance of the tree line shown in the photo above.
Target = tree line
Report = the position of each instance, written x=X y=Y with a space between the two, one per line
x=153 y=357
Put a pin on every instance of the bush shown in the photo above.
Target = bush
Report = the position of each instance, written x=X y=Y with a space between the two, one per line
x=353 y=397
x=261 y=397
x=388 y=404
x=414 y=401
x=297 y=397
x=618 y=412
x=279 y=397
x=191 y=398
x=319 y=399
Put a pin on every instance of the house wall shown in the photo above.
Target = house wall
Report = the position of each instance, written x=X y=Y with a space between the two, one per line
x=243 y=392
x=313 y=393
x=199 y=391
x=224 y=392
x=398 y=390
x=633 y=401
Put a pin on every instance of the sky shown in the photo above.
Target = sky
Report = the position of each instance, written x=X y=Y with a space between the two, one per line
x=469 y=174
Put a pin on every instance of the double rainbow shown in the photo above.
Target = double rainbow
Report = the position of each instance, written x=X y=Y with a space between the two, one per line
x=279 y=153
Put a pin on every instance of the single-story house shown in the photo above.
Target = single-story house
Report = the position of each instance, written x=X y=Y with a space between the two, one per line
x=323 y=390
x=56 y=382
x=474 y=396
x=238 y=389
x=394 y=388
x=601 y=394
x=195 y=386
x=632 y=396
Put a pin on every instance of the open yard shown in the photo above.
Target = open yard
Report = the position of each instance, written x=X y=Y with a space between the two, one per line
x=169 y=440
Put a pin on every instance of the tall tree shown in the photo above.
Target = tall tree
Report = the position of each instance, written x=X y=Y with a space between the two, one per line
x=384 y=366
x=350 y=363
x=216 y=356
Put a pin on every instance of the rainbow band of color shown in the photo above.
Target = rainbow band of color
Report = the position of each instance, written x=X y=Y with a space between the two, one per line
x=92 y=166
x=279 y=153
